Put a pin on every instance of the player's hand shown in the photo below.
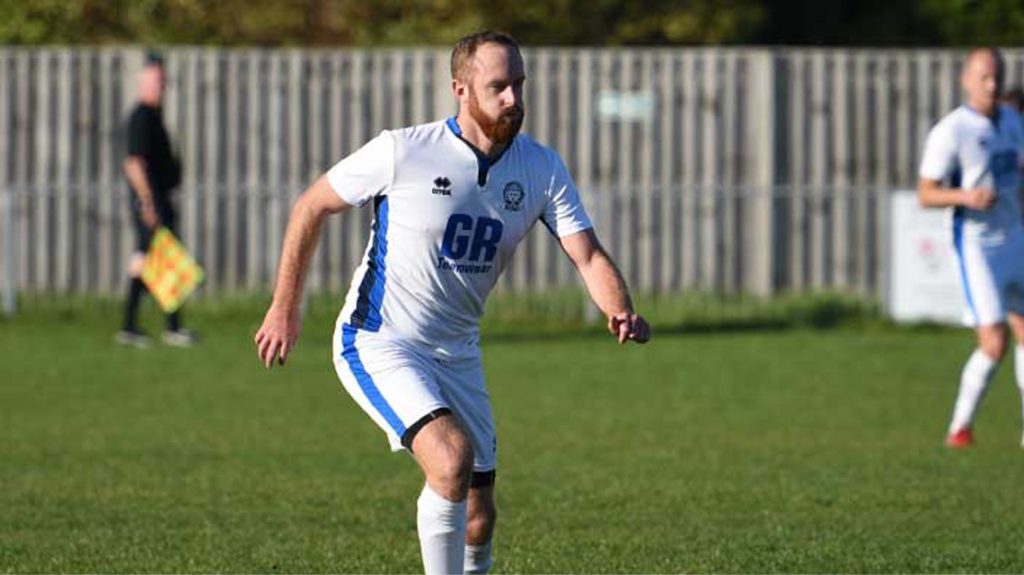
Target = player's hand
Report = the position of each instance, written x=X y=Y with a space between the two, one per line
x=278 y=335
x=629 y=326
x=149 y=216
x=979 y=199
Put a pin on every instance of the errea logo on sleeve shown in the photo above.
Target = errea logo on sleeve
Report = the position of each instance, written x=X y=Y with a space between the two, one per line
x=442 y=186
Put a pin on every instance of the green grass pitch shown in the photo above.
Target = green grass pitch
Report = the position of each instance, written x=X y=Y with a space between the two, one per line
x=770 y=450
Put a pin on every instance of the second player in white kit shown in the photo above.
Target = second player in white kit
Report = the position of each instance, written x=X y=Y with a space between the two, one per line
x=972 y=150
x=452 y=200
x=972 y=163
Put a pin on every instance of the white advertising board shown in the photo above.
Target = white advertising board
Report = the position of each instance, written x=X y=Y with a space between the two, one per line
x=924 y=278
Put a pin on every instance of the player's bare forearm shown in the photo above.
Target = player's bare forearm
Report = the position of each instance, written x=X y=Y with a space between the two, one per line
x=932 y=194
x=606 y=286
x=300 y=240
x=282 y=323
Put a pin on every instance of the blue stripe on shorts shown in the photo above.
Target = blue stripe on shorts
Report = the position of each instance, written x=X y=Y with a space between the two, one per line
x=351 y=355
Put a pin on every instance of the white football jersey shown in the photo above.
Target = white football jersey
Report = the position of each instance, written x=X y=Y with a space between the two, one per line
x=966 y=150
x=446 y=223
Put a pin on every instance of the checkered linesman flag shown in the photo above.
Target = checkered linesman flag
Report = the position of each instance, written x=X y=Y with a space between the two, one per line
x=169 y=272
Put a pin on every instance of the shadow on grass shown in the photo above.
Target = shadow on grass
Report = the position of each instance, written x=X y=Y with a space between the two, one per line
x=698 y=315
x=509 y=317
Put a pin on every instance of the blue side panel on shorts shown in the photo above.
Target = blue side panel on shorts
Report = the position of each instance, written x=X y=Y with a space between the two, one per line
x=351 y=355
x=371 y=289
x=958 y=243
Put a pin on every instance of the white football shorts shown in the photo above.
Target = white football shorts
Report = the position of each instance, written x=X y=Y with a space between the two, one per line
x=992 y=278
x=399 y=385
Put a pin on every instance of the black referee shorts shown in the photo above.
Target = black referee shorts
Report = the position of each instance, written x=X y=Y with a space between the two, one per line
x=143 y=234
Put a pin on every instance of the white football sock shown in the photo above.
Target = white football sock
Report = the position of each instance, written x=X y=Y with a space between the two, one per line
x=973 y=381
x=478 y=558
x=442 y=528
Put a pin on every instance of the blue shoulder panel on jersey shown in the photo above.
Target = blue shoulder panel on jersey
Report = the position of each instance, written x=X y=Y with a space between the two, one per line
x=454 y=126
x=351 y=355
x=371 y=289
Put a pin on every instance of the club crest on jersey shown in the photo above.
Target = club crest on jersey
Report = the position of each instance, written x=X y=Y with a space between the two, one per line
x=442 y=186
x=513 y=195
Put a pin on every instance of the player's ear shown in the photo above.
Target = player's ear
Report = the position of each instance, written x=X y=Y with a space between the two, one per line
x=458 y=88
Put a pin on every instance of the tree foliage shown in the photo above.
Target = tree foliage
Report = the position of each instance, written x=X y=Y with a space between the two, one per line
x=538 y=22
x=977 y=22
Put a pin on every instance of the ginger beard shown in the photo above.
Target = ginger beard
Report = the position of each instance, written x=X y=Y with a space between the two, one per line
x=501 y=129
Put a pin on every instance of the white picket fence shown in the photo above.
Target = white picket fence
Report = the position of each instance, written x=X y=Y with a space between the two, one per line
x=730 y=170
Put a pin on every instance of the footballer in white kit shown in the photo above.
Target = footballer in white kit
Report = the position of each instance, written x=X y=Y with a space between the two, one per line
x=452 y=200
x=446 y=223
x=971 y=150
x=972 y=163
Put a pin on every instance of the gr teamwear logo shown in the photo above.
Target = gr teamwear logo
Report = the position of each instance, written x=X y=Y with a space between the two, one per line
x=473 y=239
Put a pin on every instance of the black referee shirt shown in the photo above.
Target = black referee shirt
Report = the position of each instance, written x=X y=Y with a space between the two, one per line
x=148 y=139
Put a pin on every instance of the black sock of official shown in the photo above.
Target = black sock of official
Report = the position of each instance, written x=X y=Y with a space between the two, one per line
x=131 y=309
x=174 y=321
